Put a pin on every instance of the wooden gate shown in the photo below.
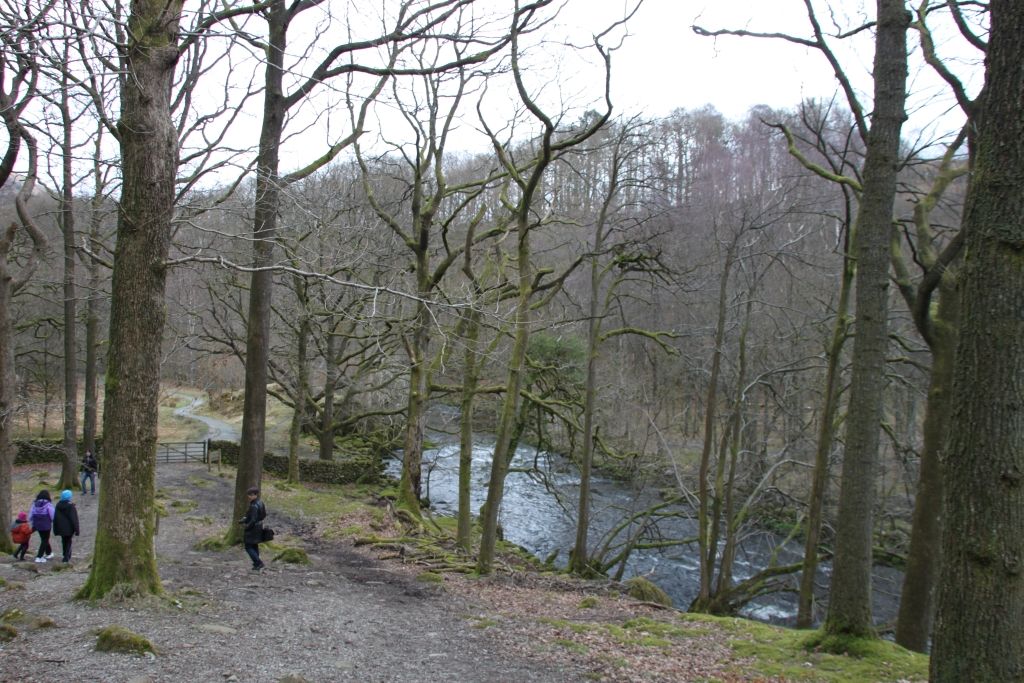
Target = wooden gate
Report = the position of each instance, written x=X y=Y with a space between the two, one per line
x=183 y=451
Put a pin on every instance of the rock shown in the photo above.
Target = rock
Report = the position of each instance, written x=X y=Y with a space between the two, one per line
x=218 y=628
x=292 y=678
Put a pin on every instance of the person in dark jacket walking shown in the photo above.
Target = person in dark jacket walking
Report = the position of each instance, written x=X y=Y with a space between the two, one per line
x=41 y=519
x=65 y=523
x=89 y=472
x=252 y=525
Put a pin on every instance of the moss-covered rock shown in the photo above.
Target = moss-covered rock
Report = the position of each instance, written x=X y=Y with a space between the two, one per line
x=292 y=556
x=7 y=633
x=642 y=589
x=120 y=639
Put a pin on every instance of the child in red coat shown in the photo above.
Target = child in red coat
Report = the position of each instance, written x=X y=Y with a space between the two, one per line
x=21 y=532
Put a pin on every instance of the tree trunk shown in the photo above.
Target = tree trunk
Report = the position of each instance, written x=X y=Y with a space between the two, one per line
x=6 y=400
x=302 y=387
x=710 y=410
x=330 y=384
x=124 y=554
x=826 y=435
x=69 y=465
x=980 y=613
x=924 y=559
x=418 y=348
x=257 y=343
x=850 y=597
x=92 y=317
x=578 y=563
x=470 y=379
x=507 y=416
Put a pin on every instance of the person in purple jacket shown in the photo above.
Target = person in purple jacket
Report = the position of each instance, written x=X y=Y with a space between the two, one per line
x=41 y=518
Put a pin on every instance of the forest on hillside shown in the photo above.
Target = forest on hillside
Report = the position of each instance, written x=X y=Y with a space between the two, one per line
x=366 y=213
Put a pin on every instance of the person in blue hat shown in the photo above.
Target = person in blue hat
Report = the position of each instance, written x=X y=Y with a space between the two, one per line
x=65 y=523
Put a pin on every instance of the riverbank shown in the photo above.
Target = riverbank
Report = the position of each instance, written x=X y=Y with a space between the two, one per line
x=356 y=614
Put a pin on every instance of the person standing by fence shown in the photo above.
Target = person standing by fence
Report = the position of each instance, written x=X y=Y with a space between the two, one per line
x=89 y=472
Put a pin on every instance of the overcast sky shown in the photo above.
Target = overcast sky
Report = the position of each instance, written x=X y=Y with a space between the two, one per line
x=663 y=64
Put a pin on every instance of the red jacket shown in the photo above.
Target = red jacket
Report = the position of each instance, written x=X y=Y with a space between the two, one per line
x=21 y=532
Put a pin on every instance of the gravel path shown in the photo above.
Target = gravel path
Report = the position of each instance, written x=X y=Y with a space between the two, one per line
x=344 y=617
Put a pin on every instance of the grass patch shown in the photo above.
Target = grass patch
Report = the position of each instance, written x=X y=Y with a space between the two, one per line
x=572 y=645
x=589 y=602
x=198 y=482
x=214 y=543
x=120 y=639
x=776 y=652
x=483 y=622
x=429 y=577
x=185 y=505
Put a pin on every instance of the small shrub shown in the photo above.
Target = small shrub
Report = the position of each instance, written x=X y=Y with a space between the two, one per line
x=120 y=639
x=11 y=615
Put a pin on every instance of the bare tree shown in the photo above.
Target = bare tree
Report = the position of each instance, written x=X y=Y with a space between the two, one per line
x=19 y=74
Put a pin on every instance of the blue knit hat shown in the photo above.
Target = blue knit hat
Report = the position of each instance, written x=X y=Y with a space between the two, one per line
x=65 y=494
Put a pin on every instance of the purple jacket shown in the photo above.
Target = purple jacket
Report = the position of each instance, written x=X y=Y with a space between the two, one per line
x=41 y=515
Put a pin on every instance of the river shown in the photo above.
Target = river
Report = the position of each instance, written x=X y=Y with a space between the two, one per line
x=537 y=519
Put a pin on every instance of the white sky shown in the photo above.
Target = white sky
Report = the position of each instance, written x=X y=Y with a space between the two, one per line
x=663 y=64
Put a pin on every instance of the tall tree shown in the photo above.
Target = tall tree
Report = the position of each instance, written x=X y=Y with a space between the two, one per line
x=124 y=552
x=850 y=596
x=980 y=613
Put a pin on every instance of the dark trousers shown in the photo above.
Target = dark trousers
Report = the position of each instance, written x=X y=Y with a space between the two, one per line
x=254 y=554
x=65 y=546
x=44 y=543
x=22 y=549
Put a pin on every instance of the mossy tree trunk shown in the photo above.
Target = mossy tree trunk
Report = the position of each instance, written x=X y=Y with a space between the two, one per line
x=980 y=610
x=850 y=596
x=124 y=552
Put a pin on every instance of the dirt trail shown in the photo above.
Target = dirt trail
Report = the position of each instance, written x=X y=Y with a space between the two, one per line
x=344 y=617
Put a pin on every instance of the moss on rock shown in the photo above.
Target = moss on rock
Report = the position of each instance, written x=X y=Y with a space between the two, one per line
x=120 y=639
x=642 y=589
x=292 y=556
x=7 y=633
